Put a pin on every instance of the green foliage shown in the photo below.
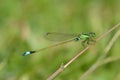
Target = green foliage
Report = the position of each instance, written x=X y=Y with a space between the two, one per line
x=23 y=24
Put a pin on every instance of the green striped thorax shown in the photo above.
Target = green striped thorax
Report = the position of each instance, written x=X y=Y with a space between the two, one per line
x=85 y=36
x=89 y=35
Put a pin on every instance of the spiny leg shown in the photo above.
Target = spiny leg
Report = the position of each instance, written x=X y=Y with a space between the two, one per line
x=83 y=42
x=90 y=41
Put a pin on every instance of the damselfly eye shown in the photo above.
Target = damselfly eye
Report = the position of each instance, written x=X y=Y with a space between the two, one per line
x=92 y=34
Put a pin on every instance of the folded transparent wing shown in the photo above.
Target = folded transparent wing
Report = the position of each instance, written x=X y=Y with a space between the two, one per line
x=54 y=36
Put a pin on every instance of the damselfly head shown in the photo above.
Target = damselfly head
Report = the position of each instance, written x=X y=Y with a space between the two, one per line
x=92 y=34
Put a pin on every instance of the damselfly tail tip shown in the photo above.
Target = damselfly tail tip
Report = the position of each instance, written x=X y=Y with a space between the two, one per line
x=28 y=52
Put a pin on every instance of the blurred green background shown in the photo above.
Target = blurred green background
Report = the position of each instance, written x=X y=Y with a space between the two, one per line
x=23 y=24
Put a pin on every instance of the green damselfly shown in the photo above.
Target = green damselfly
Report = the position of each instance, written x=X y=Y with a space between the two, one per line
x=64 y=38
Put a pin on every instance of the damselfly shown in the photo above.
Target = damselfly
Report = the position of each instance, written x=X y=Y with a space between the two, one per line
x=64 y=38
